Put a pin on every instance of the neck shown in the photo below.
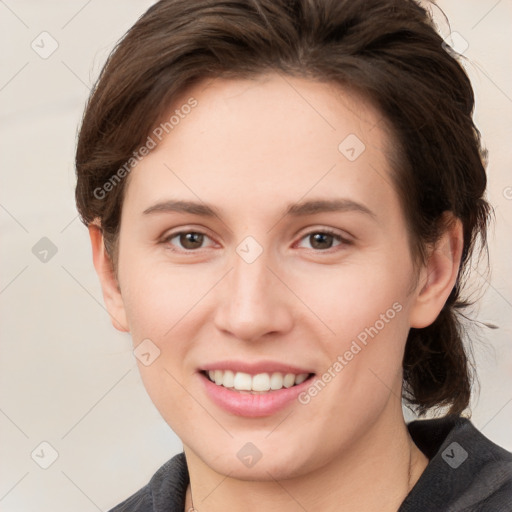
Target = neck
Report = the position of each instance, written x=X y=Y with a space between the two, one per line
x=376 y=473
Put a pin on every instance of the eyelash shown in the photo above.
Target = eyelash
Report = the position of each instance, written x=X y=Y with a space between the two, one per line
x=168 y=238
x=324 y=231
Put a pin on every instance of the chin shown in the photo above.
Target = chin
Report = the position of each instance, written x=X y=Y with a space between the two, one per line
x=273 y=463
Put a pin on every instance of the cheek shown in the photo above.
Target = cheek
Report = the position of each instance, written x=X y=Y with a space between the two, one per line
x=351 y=299
x=366 y=310
x=160 y=298
x=160 y=305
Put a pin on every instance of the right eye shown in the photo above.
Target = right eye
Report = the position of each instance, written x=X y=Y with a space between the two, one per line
x=187 y=240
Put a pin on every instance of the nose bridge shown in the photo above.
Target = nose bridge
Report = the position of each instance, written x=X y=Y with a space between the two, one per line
x=253 y=303
x=250 y=279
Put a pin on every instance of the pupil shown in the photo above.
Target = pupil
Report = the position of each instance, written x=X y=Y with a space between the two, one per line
x=191 y=240
x=321 y=241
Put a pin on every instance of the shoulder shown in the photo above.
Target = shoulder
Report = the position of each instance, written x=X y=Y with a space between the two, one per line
x=466 y=472
x=164 y=492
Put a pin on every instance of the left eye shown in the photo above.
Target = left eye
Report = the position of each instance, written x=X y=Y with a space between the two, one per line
x=189 y=240
x=322 y=240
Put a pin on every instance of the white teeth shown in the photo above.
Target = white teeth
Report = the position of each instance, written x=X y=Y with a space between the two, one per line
x=219 y=377
x=289 y=380
x=259 y=383
x=229 y=379
x=301 y=378
x=242 y=382
x=276 y=381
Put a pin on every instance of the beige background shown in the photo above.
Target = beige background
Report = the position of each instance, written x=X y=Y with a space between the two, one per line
x=66 y=376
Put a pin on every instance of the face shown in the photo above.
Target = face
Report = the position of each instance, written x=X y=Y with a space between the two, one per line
x=262 y=245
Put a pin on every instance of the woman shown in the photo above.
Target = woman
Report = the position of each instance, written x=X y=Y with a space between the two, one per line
x=282 y=198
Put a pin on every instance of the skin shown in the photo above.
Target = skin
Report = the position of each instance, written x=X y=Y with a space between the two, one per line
x=249 y=149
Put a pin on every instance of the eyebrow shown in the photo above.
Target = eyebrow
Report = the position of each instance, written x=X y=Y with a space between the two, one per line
x=327 y=205
x=295 y=210
x=191 y=207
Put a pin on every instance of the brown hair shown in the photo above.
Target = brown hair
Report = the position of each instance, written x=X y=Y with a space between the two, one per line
x=387 y=50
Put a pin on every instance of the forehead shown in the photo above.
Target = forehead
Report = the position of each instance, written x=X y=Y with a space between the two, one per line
x=271 y=138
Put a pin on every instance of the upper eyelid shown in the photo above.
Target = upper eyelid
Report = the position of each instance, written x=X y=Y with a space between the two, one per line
x=181 y=230
x=342 y=235
x=341 y=238
x=310 y=231
x=169 y=236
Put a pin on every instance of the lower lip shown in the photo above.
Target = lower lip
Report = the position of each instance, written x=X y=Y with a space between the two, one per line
x=249 y=405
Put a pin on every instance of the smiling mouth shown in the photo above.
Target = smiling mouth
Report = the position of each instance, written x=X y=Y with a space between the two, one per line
x=260 y=383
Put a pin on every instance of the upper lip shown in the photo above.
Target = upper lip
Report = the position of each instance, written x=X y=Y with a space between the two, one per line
x=254 y=368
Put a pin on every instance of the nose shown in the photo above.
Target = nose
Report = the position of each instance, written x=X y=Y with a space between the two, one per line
x=253 y=303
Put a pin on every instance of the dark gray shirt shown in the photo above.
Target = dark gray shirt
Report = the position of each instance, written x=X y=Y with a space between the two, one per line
x=467 y=473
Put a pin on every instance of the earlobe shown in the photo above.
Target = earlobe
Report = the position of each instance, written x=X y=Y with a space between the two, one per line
x=109 y=285
x=438 y=277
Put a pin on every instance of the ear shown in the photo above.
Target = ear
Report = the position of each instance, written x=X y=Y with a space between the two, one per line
x=109 y=285
x=438 y=276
